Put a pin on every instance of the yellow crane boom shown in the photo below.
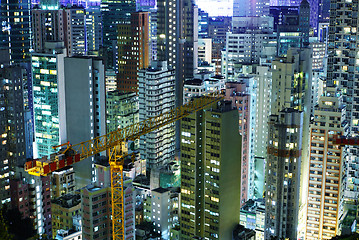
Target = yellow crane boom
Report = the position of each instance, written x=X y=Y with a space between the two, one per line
x=114 y=142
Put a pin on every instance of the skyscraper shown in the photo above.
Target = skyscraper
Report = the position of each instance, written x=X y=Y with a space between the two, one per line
x=326 y=167
x=241 y=98
x=156 y=96
x=12 y=126
x=47 y=81
x=133 y=51
x=210 y=173
x=283 y=173
x=93 y=28
x=15 y=35
x=343 y=72
x=85 y=108
x=66 y=25
x=114 y=13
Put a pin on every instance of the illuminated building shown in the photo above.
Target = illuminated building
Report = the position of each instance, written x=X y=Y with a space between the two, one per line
x=157 y=96
x=93 y=28
x=59 y=82
x=121 y=110
x=12 y=125
x=202 y=83
x=253 y=8
x=15 y=35
x=246 y=43
x=343 y=72
x=210 y=173
x=163 y=210
x=294 y=29
x=241 y=99
x=253 y=216
x=326 y=168
x=62 y=210
x=282 y=176
x=53 y=25
x=114 y=13
x=47 y=78
x=133 y=51
x=291 y=77
x=205 y=50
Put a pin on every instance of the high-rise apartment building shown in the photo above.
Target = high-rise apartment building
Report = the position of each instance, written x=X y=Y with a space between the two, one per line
x=12 y=125
x=114 y=13
x=291 y=78
x=67 y=25
x=282 y=174
x=210 y=173
x=85 y=107
x=133 y=51
x=292 y=27
x=96 y=207
x=326 y=167
x=47 y=78
x=96 y=212
x=156 y=96
x=15 y=37
x=93 y=29
x=241 y=99
x=164 y=210
x=342 y=72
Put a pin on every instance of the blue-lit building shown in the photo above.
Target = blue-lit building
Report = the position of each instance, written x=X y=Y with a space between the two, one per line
x=114 y=13
x=47 y=81
x=15 y=35
x=202 y=24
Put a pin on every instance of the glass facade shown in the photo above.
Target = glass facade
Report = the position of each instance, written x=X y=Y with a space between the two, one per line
x=46 y=111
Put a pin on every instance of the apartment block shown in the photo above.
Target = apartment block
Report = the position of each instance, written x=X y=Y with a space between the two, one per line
x=47 y=80
x=211 y=173
x=67 y=25
x=283 y=172
x=156 y=96
x=133 y=51
x=96 y=212
x=63 y=209
x=15 y=38
x=343 y=72
x=241 y=99
x=12 y=125
x=291 y=76
x=327 y=167
x=163 y=210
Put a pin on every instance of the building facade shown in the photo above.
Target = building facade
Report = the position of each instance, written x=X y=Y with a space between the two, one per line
x=156 y=96
x=133 y=51
x=210 y=167
x=325 y=187
x=283 y=174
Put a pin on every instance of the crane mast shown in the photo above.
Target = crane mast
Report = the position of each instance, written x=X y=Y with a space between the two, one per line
x=114 y=142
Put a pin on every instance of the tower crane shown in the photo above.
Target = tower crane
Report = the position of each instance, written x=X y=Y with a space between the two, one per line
x=114 y=142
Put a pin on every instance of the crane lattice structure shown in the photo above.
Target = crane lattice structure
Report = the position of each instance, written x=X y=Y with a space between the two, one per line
x=114 y=142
